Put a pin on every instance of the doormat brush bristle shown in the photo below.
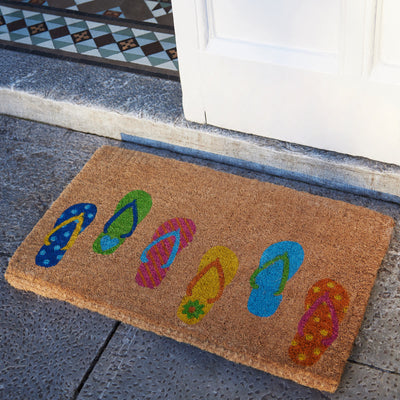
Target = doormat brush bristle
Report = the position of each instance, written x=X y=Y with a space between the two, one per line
x=257 y=273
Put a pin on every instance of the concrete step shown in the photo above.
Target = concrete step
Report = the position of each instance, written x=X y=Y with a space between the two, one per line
x=148 y=110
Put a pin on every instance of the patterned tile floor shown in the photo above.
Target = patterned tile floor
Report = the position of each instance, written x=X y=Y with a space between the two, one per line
x=106 y=32
x=153 y=11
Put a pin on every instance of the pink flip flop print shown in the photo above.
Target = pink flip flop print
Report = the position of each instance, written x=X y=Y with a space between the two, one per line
x=168 y=240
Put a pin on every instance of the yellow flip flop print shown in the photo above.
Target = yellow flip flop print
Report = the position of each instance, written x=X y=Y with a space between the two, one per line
x=217 y=269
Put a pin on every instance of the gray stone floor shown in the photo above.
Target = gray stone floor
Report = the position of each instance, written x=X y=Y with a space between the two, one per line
x=52 y=350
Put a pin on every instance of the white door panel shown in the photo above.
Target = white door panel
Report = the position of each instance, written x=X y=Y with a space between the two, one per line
x=278 y=23
x=323 y=73
x=386 y=55
x=326 y=116
x=389 y=32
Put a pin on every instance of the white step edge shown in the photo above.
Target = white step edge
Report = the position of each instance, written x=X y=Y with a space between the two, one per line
x=343 y=173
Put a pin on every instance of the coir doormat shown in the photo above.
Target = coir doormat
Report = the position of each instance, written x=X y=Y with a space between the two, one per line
x=257 y=273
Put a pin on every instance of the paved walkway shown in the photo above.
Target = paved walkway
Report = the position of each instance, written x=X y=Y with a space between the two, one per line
x=52 y=350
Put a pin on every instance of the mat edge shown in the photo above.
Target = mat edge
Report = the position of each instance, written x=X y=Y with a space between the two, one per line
x=307 y=379
x=389 y=221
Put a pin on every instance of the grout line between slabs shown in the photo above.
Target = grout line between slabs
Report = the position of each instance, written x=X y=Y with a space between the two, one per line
x=95 y=360
x=374 y=367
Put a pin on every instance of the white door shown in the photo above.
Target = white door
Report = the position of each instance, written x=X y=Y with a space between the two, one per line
x=323 y=73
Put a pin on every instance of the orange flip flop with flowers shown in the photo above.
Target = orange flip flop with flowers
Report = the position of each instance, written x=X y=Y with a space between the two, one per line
x=326 y=304
x=216 y=270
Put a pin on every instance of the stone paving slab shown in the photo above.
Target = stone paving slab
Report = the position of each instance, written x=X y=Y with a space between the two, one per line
x=378 y=341
x=142 y=365
x=36 y=163
x=361 y=382
x=46 y=346
x=49 y=345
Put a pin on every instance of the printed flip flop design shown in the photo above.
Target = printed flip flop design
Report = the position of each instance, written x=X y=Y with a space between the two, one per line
x=73 y=221
x=130 y=211
x=168 y=240
x=217 y=269
x=278 y=264
x=326 y=303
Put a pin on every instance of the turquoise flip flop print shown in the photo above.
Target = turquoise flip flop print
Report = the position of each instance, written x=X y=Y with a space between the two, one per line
x=278 y=264
x=130 y=211
x=73 y=221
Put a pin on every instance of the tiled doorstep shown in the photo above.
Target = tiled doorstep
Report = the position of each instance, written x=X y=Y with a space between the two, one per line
x=148 y=110
x=122 y=44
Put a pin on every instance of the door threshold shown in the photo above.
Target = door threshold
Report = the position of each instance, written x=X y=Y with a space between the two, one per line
x=148 y=110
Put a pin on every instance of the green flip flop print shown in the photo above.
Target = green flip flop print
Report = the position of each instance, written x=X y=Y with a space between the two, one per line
x=130 y=211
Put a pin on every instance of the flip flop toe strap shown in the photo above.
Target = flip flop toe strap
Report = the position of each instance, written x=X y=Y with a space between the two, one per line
x=335 y=321
x=221 y=277
x=79 y=222
x=285 y=273
x=177 y=235
x=133 y=206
